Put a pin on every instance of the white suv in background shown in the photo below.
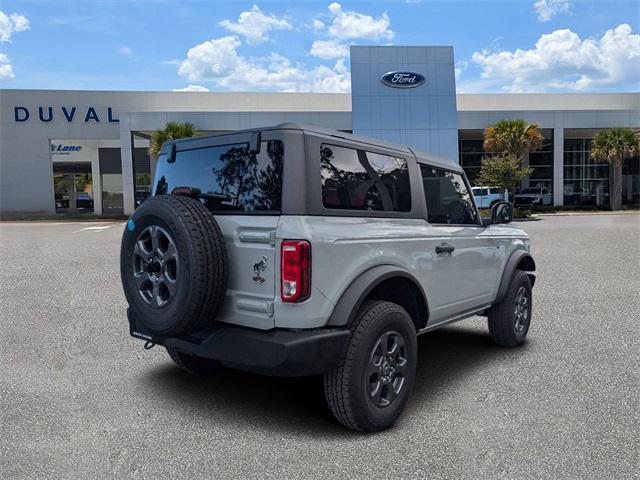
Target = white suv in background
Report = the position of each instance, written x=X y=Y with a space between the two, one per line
x=487 y=197
x=533 y=196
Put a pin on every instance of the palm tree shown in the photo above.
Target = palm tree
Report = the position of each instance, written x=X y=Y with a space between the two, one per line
x=511 y=140
x=614 y=146
x=515 y=138
x=171 y=131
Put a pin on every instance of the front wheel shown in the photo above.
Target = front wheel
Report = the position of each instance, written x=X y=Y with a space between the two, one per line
x=510 y=319
x=370 y=387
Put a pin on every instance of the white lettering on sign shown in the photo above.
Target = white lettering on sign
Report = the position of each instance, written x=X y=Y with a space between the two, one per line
x=403 y=79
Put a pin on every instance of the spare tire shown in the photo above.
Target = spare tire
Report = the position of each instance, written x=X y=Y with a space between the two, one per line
x=173 y=264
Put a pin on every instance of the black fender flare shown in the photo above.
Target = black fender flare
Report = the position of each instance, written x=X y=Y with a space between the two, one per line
x=351 y=299
x=511 y=266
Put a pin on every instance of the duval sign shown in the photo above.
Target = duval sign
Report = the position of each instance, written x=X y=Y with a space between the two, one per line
x=402 y=79
x=47 y=114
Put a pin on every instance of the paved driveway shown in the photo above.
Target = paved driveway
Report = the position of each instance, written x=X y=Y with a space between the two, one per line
x=79 y=398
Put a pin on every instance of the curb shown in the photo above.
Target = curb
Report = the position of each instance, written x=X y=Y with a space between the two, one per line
x=577 y=214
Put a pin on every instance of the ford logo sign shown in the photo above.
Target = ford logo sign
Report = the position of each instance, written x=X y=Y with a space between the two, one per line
x=403 y=79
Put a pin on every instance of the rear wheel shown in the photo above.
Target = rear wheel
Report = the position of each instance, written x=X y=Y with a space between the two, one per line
x=192 y=364
x=370 y=387
x=510 y=319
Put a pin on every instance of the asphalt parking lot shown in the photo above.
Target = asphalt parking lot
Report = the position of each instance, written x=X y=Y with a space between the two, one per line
x=79 y=398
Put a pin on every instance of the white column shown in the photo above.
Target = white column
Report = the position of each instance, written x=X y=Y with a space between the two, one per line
x=558 y=166
x=96 y=181
x=126 y=157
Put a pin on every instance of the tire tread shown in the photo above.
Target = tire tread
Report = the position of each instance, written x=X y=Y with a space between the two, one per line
x=500 y=318
x=336 y=383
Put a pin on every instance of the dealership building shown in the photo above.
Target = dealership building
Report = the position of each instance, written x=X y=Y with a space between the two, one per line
x=77 y=151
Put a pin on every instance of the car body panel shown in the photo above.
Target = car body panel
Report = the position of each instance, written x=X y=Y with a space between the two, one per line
x=344 y=248
x=251 y=285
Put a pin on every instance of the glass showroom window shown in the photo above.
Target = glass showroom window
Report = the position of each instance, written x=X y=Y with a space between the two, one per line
x=586 y=181
x=471 y=154
x=541 y=161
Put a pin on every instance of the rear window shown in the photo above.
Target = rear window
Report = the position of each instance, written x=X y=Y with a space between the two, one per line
x=360 y=180
x=230 y=178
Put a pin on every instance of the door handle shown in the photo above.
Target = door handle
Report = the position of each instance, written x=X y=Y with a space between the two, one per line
x=445 y=248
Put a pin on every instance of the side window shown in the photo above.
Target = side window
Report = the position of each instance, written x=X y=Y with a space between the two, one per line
x=447 y=196
x=495 y=191
x=358 y=180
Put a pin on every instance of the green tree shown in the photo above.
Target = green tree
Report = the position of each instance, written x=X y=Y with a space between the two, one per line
x=509 y=141
x=171 y=131
x=504 y=171
x=515 y=138
x=614 y=146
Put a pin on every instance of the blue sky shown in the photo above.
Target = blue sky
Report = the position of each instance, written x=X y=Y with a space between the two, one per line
x=506 y=46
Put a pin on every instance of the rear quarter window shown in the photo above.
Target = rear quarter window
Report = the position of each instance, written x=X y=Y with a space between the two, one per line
x=242 y=181
x=355 y=179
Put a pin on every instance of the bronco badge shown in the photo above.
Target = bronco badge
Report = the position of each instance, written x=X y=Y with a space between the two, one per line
x=259 y=268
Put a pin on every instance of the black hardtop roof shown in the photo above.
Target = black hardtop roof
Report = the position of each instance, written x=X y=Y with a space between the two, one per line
x=421 y=157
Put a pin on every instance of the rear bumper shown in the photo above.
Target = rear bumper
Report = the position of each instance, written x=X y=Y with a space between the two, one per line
x=277 y=352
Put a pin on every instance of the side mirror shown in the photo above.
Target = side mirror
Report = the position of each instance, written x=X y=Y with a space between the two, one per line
x=501 y=212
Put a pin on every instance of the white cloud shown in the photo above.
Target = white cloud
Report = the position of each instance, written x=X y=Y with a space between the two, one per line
x=562 y=60
x=125 y=51
x=254 y=25
x=331 y=80
x=10 y=24
x=6 y=70
x=328 y=49
x=460 y=67
x=347 y=25
x=210 y=59
x=547 y=9
x=217 y=61
x=192 y=88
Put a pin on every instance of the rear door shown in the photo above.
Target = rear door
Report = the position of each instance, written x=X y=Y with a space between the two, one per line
x=243 y=190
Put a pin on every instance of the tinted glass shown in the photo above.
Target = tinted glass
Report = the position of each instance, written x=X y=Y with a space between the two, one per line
x=358 y=180
x=243 y=181
x=447 y=196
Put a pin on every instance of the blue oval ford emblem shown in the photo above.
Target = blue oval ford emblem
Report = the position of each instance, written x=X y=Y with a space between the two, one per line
x=403 y=79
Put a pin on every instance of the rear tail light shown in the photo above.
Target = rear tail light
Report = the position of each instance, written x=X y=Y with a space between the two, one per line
x=295 y=270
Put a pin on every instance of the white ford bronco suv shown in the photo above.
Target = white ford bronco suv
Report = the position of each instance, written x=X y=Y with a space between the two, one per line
x=296 y=250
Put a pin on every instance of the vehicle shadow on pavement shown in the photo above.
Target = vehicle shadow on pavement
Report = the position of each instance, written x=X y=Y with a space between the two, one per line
x=296 y=405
